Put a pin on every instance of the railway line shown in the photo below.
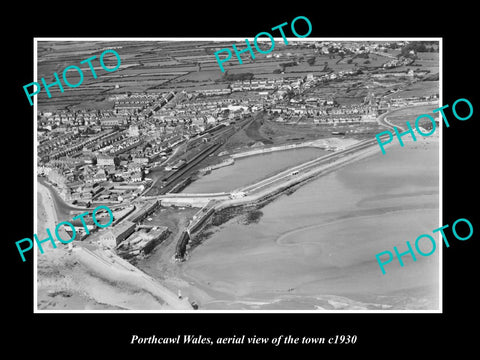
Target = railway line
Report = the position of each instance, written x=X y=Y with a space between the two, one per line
x=219 y=135
x=170 y=181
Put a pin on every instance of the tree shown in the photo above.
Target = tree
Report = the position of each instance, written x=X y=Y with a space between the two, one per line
x=325 y=66
x=417 y=46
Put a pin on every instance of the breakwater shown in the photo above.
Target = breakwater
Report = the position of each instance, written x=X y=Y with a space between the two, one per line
x=257 y=197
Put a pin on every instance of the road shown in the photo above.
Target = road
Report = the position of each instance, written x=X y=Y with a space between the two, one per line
x=273 y=185
x=62 y=209
x=307 y=168
x=382 y=120
x=216 y=141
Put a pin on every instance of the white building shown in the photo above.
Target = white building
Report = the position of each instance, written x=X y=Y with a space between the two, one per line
x=133 y=131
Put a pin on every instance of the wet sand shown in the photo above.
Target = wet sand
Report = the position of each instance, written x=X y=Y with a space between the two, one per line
x=315 y=249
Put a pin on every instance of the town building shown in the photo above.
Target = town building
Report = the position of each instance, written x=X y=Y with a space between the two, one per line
x=118 y=233
x=105 y=160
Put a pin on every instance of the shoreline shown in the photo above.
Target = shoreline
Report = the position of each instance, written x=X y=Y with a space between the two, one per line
x=224 y=291
x=86 y=279
x=175 y=276
x=234 y=207
x=51 y=212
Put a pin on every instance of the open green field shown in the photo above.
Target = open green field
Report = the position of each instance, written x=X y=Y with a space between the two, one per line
x=410 y=114
x=419 y=88
x=152 y=66
x=429 y=61
x=270 y=132
x=204 y=75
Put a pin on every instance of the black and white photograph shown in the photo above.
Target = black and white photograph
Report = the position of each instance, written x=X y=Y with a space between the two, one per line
x=192 y=179
x=254 y=183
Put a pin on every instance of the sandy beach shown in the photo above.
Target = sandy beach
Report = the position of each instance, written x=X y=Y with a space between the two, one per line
x=315 y=249
x=92 y=280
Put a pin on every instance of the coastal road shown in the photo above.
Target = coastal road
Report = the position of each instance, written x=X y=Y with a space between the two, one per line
x=276 y=184
x=275 y=180
x=306 y=168
x=382 y=120
x=62 y=208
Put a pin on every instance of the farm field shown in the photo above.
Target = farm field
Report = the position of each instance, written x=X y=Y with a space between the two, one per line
x=158 y=66
x=420 y=88
x=410 y=114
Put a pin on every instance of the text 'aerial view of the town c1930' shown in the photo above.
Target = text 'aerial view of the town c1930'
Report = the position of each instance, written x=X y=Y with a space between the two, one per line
x=258 y=188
